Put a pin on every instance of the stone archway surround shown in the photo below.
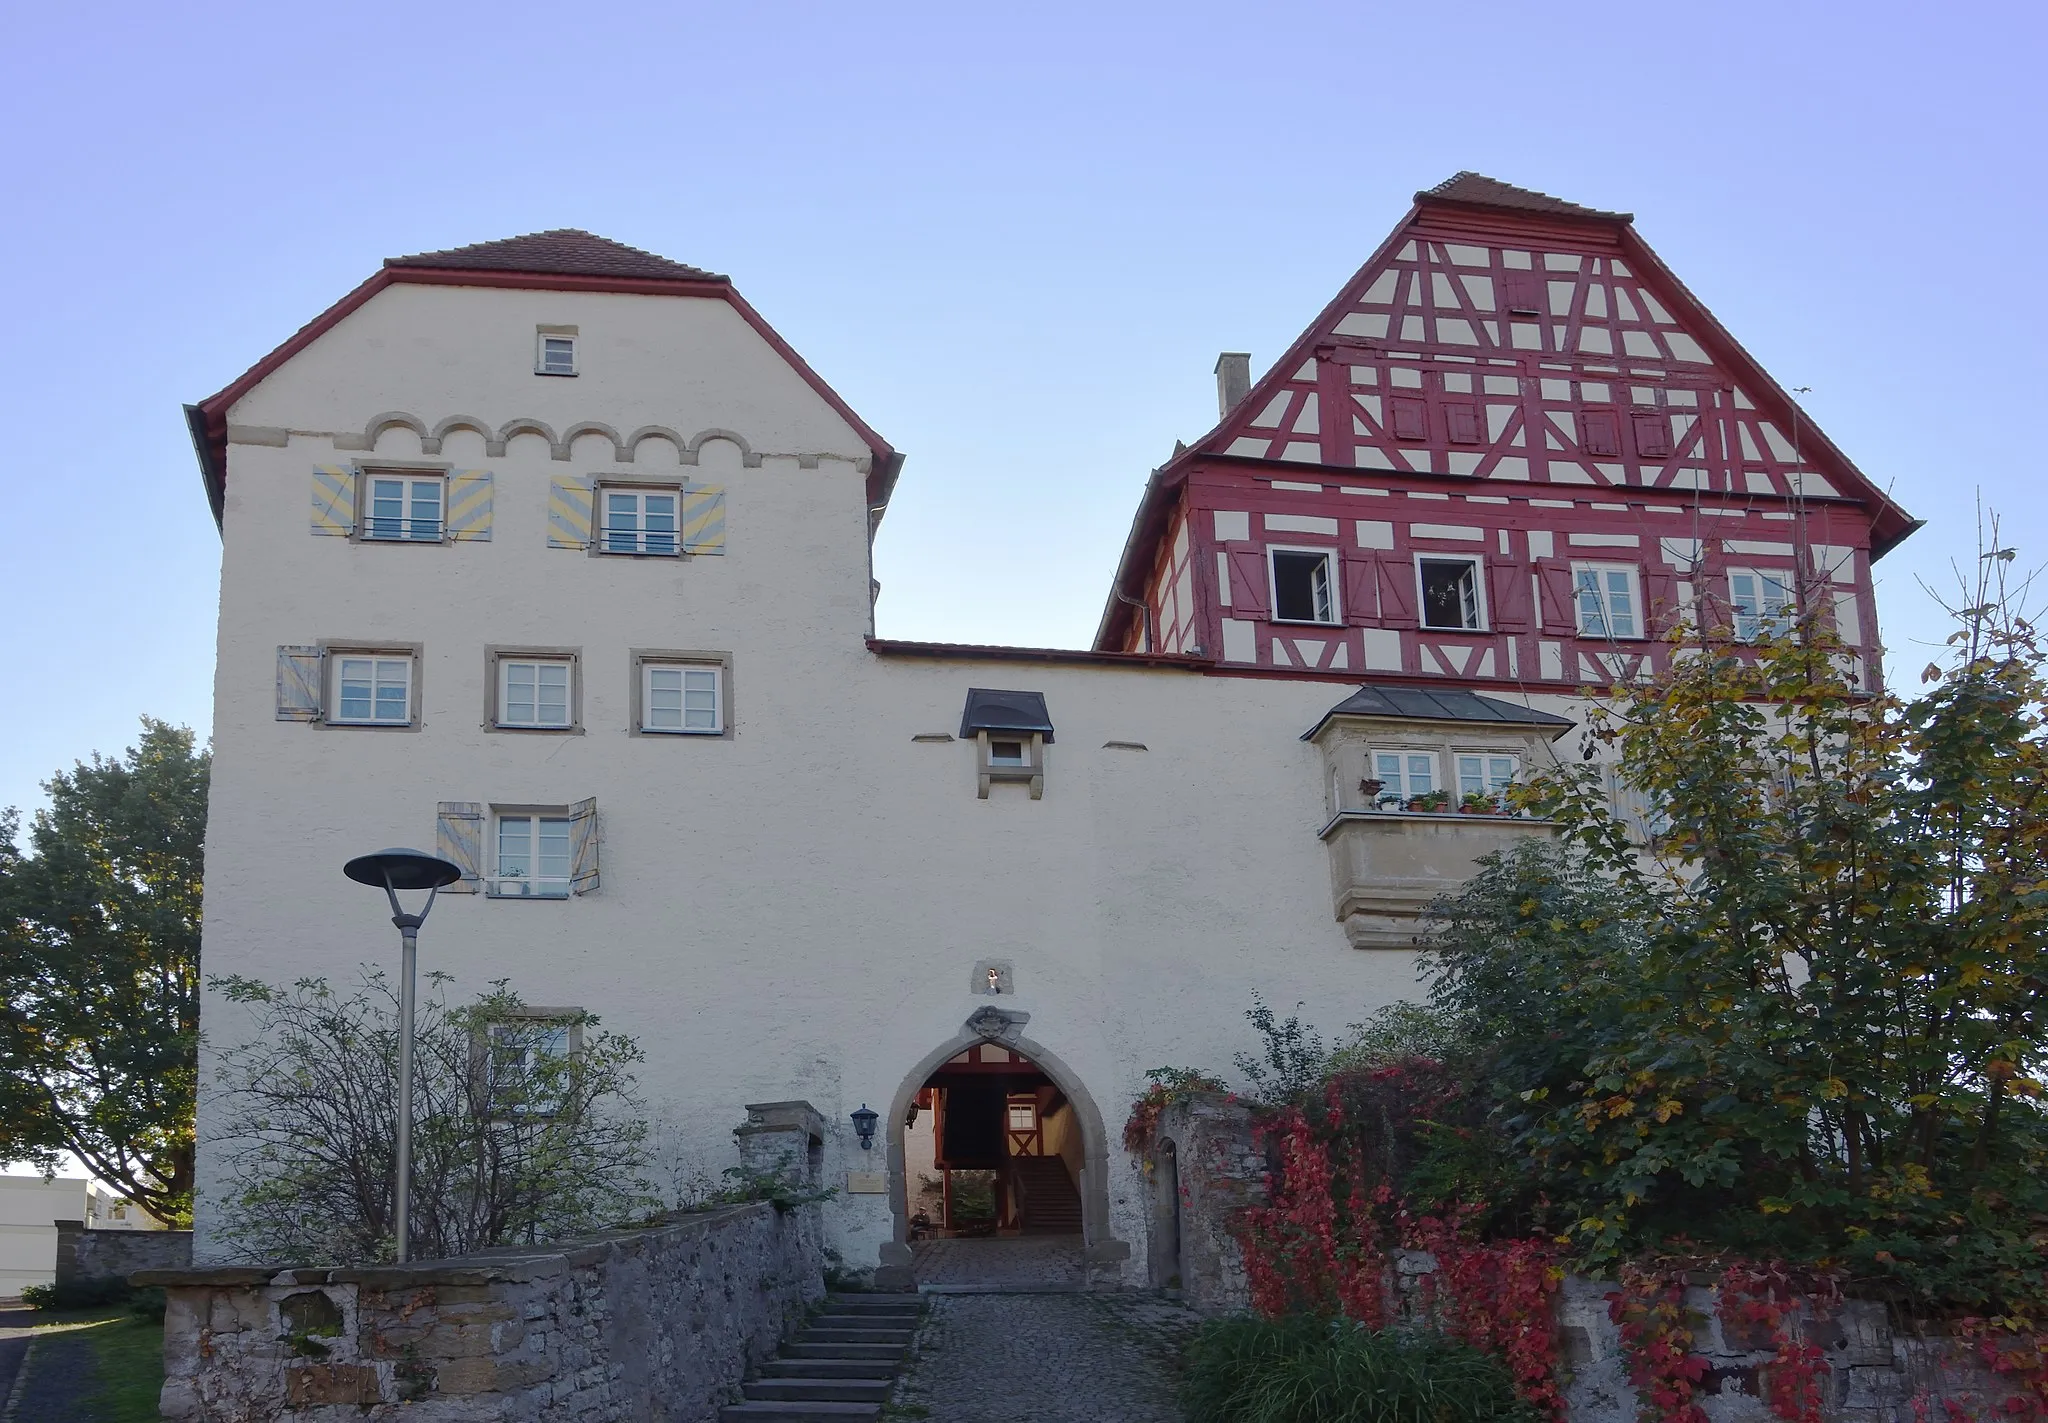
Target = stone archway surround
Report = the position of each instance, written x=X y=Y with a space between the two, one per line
x=1103 y=1253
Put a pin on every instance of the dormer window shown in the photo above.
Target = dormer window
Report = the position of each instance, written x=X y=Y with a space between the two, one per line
x=555 y=351
x=1010 y=731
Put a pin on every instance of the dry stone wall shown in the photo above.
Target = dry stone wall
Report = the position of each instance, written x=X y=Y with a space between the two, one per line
x=103 y=1254
x=657 y=1323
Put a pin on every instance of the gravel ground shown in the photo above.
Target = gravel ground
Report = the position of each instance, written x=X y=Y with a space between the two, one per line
x=1046 y=1358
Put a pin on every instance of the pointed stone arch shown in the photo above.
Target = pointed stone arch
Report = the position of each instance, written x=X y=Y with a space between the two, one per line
x=1103 y=1252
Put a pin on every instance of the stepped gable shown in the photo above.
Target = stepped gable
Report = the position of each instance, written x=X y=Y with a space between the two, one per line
x=560 y=251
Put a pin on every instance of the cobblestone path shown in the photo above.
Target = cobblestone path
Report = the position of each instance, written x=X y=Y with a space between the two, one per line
x=1045 y=1358
x=1005 y=1263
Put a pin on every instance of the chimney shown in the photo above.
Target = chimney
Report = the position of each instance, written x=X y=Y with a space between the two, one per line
x=1233 y=380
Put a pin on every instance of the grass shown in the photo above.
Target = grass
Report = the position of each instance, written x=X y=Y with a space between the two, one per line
x=1316 y=1371
x=127 y=1358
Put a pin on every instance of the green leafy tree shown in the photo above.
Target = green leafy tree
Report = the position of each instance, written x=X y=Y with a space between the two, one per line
x=1806 y=1014
x=99 y=970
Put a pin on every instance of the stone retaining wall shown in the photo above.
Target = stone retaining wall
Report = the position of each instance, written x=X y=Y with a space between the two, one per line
x=1875 y=1372
x=102 y=1254
x=657 y=1323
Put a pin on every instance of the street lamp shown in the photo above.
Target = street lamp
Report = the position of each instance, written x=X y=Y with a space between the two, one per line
x=394 y=870
x=864 y=1125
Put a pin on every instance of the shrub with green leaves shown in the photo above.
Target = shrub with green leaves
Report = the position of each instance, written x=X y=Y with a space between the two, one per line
x=1308 y=1370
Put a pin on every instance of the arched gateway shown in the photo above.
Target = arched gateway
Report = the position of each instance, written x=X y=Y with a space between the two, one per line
x=1010 y=1124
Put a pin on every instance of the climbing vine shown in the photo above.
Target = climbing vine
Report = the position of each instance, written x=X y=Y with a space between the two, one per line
x=1657 y=1339
x=1764 y=1300
x=1168 y=1085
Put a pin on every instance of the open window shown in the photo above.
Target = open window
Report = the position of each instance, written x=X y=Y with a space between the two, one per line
x=543 y=852
x=1303 y=583
x=1451 y=597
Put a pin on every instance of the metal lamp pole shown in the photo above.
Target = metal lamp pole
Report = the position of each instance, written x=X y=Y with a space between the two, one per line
x=394 y=870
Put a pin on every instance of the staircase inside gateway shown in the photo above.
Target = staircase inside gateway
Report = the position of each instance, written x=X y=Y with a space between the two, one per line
x=992 y=1151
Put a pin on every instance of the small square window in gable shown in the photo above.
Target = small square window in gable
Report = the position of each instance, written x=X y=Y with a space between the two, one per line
x=554 y=352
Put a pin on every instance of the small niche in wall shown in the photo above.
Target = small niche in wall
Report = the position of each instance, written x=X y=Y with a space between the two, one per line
x=993 y=977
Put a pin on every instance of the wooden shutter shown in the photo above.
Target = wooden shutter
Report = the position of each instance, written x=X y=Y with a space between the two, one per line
x=1653 y=435
x=583 y=837
x=1507 y=590
x=334 y=500
x=1361 y=595
x=298 y=684
x=1559 y=613
x=1397 y=592
x=1522 y=293
x=469 y=506
x=1461 y=419
x=704 y=518
x=569 y=513
x=1410 y=417
x=1248 y=583
x=1660 y=600
x=1598 y=433
x=459 y=839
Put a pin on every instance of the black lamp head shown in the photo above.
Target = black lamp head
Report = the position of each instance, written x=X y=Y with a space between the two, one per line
x=400 y=868
x=864 y=1123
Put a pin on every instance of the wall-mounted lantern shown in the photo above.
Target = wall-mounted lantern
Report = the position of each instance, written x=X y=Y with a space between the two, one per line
x=864 y=1124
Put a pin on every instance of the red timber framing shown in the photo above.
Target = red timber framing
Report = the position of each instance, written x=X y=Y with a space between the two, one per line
x=1519 y=382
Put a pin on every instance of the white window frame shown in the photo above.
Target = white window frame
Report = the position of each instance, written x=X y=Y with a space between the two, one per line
x=368 y=478
x=1405 y=757
x=1490 y=786
x=541 y=367
x=1478 y=567
x=640 y=493
x=337 y=661
x=531 y=884
x=1755 y=624
x=1333 y=614
x=650 y=666
x=1604 y=594
x=506 y=663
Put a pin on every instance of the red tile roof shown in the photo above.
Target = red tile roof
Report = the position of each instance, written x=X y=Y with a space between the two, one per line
x=563 y=251
x=1481 y=191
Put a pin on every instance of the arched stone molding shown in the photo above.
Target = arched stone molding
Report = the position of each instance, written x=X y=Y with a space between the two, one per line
x=398 y=418
x=594 y=427
x=748 y=459
x=432 y=443
x=632 y=446
x=1006 y=1026
x=527 y=425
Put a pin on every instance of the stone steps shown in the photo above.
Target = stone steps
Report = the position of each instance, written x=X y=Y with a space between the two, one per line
x=838 y=1369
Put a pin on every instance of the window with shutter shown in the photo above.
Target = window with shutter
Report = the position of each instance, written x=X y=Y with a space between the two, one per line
x=1653 y=435
x=1461 y=421
x=298 y=684
x=1301 y=583
x=1558 y=612
x=402 y=507
x=1451 y=600
x=583 y=838
x=469 y=506
x=1507 y=587
x=534 y=853
x=1607 y=601
x=641 y=521
x=1598 y=434
x=1247 y=583
x=334 y=501
x=458 y=839
x=569 y=503
x=703 y=519
x=1410 y=417
x=1361 y=599
x=1396 y=586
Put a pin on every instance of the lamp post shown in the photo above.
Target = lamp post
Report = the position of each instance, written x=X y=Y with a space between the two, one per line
x=394 y=870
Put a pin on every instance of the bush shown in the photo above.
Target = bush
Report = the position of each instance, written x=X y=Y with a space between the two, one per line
x=1307 y=1370
x=95 y=1293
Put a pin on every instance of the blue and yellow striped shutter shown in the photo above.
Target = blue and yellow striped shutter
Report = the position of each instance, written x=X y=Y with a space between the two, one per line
x=703 y=518
x=334 y=500
x=459 y=839
x=469 y=505
x=298 y=684
x=569 y=514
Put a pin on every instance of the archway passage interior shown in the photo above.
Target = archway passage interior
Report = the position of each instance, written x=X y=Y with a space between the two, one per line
x=992 y=1147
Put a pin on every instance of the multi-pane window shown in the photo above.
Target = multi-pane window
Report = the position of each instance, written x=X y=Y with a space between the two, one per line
x=641 y=521
x=1486 y=777
x=1606 y=596
x=1404 y=775
x=534 y=856
x=402 y=508
x=1450 y=594
x=678 y=697
x=1302 y=586
x=1761 y=602
x=556 y=355
x=372 y=691
x=533 y=693
x=530 y=1060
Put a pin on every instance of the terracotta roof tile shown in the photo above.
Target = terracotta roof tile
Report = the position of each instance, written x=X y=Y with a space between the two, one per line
x=561 y=251
x=1482 y=191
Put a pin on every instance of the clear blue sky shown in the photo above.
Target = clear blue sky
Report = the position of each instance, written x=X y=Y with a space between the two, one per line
x=1014 y=240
